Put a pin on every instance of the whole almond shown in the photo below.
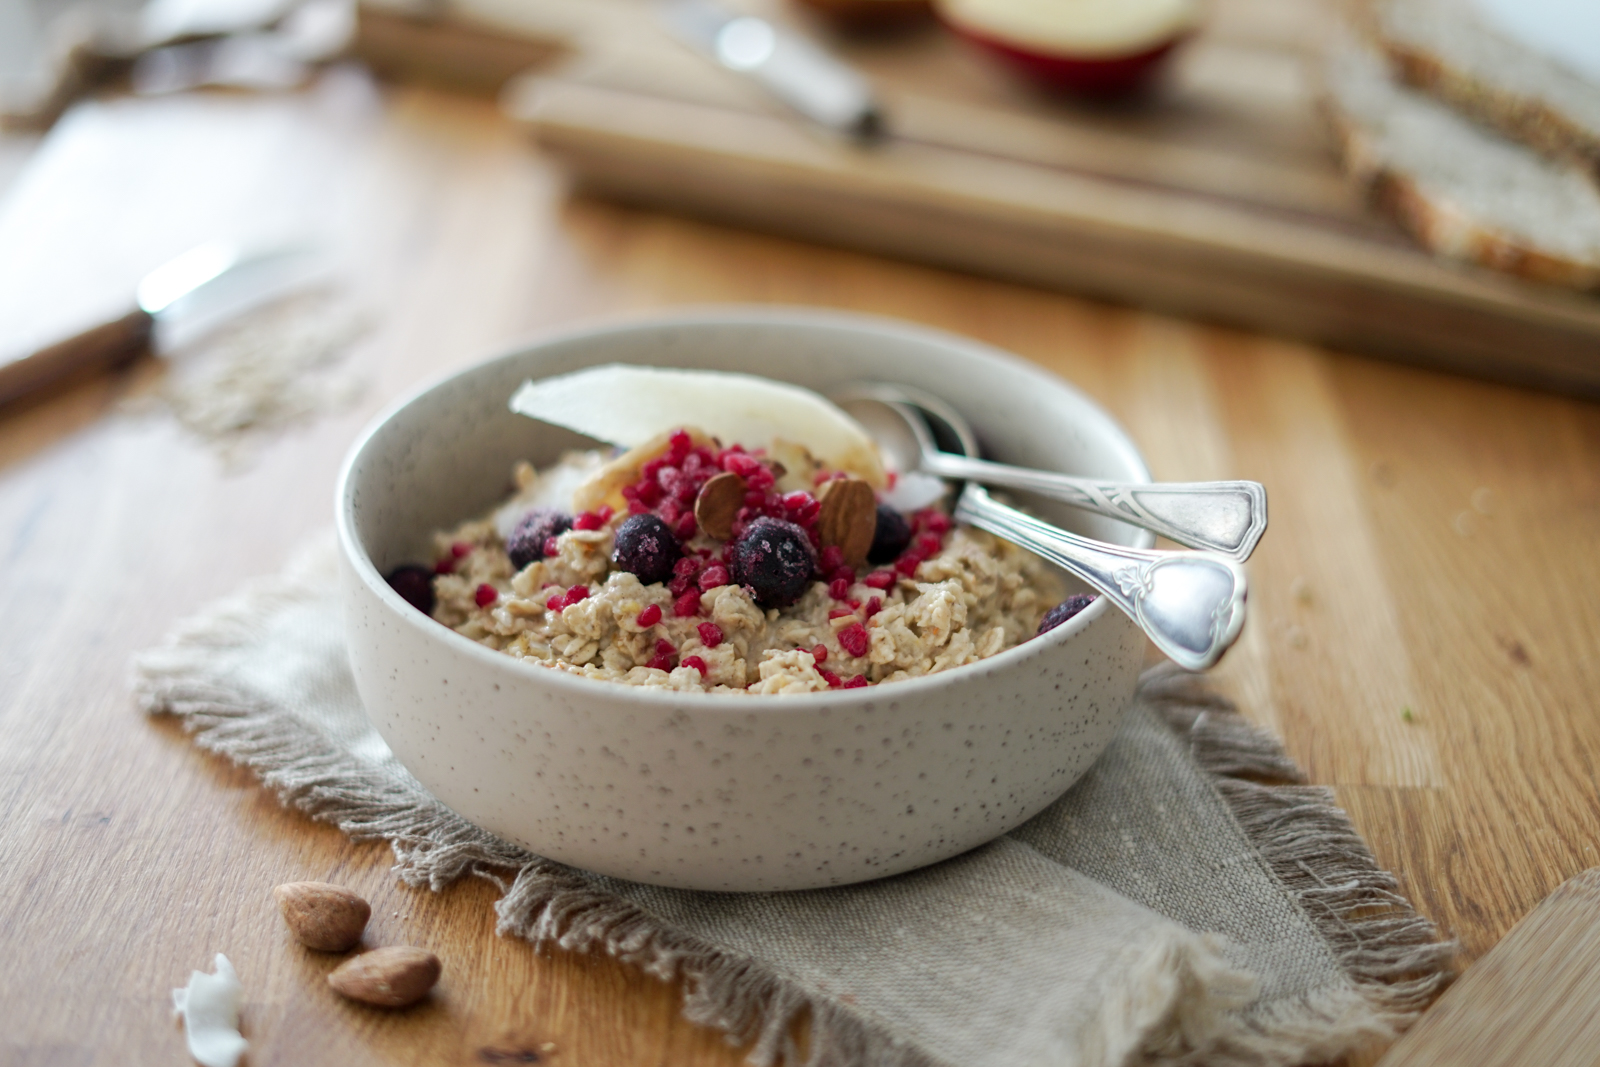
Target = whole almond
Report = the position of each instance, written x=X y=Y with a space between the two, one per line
x=387 y=977
x=328 y=918
x=719 y=501
x=849 y=517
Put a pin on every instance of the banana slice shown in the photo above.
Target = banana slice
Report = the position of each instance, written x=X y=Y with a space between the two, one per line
x=627 y=406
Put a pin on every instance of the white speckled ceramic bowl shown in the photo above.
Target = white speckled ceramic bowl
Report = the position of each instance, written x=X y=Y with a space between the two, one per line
x=711 y=791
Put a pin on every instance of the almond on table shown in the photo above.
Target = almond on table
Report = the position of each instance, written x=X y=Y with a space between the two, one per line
x=328 y=918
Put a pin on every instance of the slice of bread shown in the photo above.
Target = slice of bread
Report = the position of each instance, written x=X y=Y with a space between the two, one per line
x=1459 y=187
x=1453 y=51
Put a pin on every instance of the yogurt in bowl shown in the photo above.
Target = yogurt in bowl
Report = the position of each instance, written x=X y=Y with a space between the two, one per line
x=796 y=787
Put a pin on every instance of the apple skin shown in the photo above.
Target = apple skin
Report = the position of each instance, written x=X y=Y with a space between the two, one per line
x=1103 y=76
x=872 y=14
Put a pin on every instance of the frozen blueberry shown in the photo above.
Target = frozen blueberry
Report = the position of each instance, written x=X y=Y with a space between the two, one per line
x=774 y=560
x=890 y=538
x=526 y=542
x=647 y=548
x=1064 y=611
x=414 y=584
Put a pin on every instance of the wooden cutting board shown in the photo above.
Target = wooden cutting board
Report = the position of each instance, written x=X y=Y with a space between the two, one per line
x=1533 y=1000
x=1219 y=197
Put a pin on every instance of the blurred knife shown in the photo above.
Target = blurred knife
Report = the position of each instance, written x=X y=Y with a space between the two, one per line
x=796 y=71
x=175 y=304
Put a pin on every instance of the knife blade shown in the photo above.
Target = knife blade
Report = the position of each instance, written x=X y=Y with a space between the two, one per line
x=175 y=305
x=801 y=74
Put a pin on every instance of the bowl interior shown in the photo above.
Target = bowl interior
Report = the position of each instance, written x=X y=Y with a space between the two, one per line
x=446 y=454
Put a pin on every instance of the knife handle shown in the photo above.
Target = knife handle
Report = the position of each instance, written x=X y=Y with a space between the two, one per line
x=107 y=345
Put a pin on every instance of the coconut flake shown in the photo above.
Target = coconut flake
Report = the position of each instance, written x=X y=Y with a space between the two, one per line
x=550 y=488
x=914 y=490
x=627 y=406
x=209 y=1008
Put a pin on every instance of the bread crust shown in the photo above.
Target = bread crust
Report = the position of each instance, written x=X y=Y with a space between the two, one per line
x=1528 y=119
x=1440 y=226
x=1533 y=120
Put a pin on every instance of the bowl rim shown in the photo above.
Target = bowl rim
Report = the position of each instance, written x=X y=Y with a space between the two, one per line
x=356 y=556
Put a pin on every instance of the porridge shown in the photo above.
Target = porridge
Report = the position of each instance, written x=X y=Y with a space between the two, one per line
x=687 y=565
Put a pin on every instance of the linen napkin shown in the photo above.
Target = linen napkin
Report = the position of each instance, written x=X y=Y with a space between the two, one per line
x=1187 y=901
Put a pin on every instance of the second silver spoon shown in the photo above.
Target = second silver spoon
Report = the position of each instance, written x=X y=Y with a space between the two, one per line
x=1225 y=517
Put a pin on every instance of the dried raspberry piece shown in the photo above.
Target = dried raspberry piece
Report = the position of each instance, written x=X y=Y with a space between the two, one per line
x=858 y=682
x=589 y=520
x=879 y=579
x=745 y=466
x=681 y=445
x=650 y=494
x=908 y=564
x=710 y=634
x=649 y=616
x=854 y=640
x=687 y=606
x=839 y=613
x=685 y=526
x=820 y=654
x=831 y=678
x=839 y=589
x=485 y=595
x=697 y=663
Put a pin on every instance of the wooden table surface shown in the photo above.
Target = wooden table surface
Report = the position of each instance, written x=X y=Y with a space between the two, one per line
x=1424 y=621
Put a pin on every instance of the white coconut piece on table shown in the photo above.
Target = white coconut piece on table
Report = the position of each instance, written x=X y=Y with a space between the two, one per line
x=209 y=1007
x=627 y=405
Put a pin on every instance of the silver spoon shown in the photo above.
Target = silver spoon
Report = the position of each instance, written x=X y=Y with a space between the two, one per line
x=1225 y=517
x=1191 y=604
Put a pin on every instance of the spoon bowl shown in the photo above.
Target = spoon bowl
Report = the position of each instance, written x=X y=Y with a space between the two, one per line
x=1191 y=604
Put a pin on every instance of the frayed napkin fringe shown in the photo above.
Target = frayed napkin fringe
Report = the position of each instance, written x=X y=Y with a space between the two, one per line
x=1183 y=1011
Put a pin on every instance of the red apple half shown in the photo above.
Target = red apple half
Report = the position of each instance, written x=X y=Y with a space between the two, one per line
x=1092 y=46
x=872 y=14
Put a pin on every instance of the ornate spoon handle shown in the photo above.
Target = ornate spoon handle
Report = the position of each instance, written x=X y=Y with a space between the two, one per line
x=1225 y=517
x=1191 y=604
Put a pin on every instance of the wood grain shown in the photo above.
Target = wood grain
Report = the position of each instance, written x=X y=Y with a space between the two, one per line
x=1530 y=1000
x=127 y=857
